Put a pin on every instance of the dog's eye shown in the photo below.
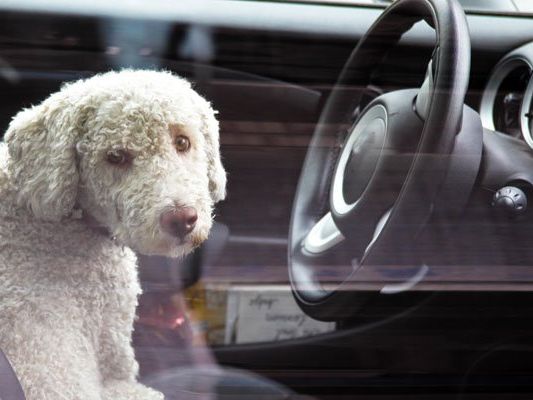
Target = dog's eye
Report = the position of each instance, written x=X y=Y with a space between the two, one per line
x=182 y=143
x=118 y=157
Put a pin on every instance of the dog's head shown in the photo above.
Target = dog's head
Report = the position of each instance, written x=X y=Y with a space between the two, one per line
x=137 y=151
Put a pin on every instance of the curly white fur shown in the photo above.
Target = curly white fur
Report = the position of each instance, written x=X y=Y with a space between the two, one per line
x=68 y=292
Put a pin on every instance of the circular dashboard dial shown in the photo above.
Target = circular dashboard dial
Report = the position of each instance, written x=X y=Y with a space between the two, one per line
x=503 y=97
x=507 y=101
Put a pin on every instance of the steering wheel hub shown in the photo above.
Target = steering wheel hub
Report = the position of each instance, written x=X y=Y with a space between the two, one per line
x=358 y=159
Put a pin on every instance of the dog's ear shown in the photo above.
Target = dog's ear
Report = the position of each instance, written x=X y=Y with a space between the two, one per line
x=42 y=157
x=216 y=172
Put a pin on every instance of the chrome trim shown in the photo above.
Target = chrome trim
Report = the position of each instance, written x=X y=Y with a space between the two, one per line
x=525 y=108
x=379 y=227
x=338 y=202
x=500 y=72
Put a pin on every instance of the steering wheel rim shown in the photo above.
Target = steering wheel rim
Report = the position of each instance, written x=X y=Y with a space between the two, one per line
x=426 y=172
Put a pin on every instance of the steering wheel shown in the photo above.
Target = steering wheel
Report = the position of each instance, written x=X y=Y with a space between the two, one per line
x=368 y=187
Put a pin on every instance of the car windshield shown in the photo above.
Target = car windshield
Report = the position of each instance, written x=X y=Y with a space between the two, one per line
x=244 y=199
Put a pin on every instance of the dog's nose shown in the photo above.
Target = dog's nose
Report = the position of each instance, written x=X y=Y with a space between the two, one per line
x=180 y=221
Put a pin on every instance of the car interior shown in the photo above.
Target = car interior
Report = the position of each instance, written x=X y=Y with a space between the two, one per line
x=374 y=242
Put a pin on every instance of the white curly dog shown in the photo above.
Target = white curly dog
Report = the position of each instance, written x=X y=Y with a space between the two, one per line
x=123 y=160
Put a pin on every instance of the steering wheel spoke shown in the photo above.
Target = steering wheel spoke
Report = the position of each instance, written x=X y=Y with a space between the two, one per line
x=323 y=236
x=423 y=99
